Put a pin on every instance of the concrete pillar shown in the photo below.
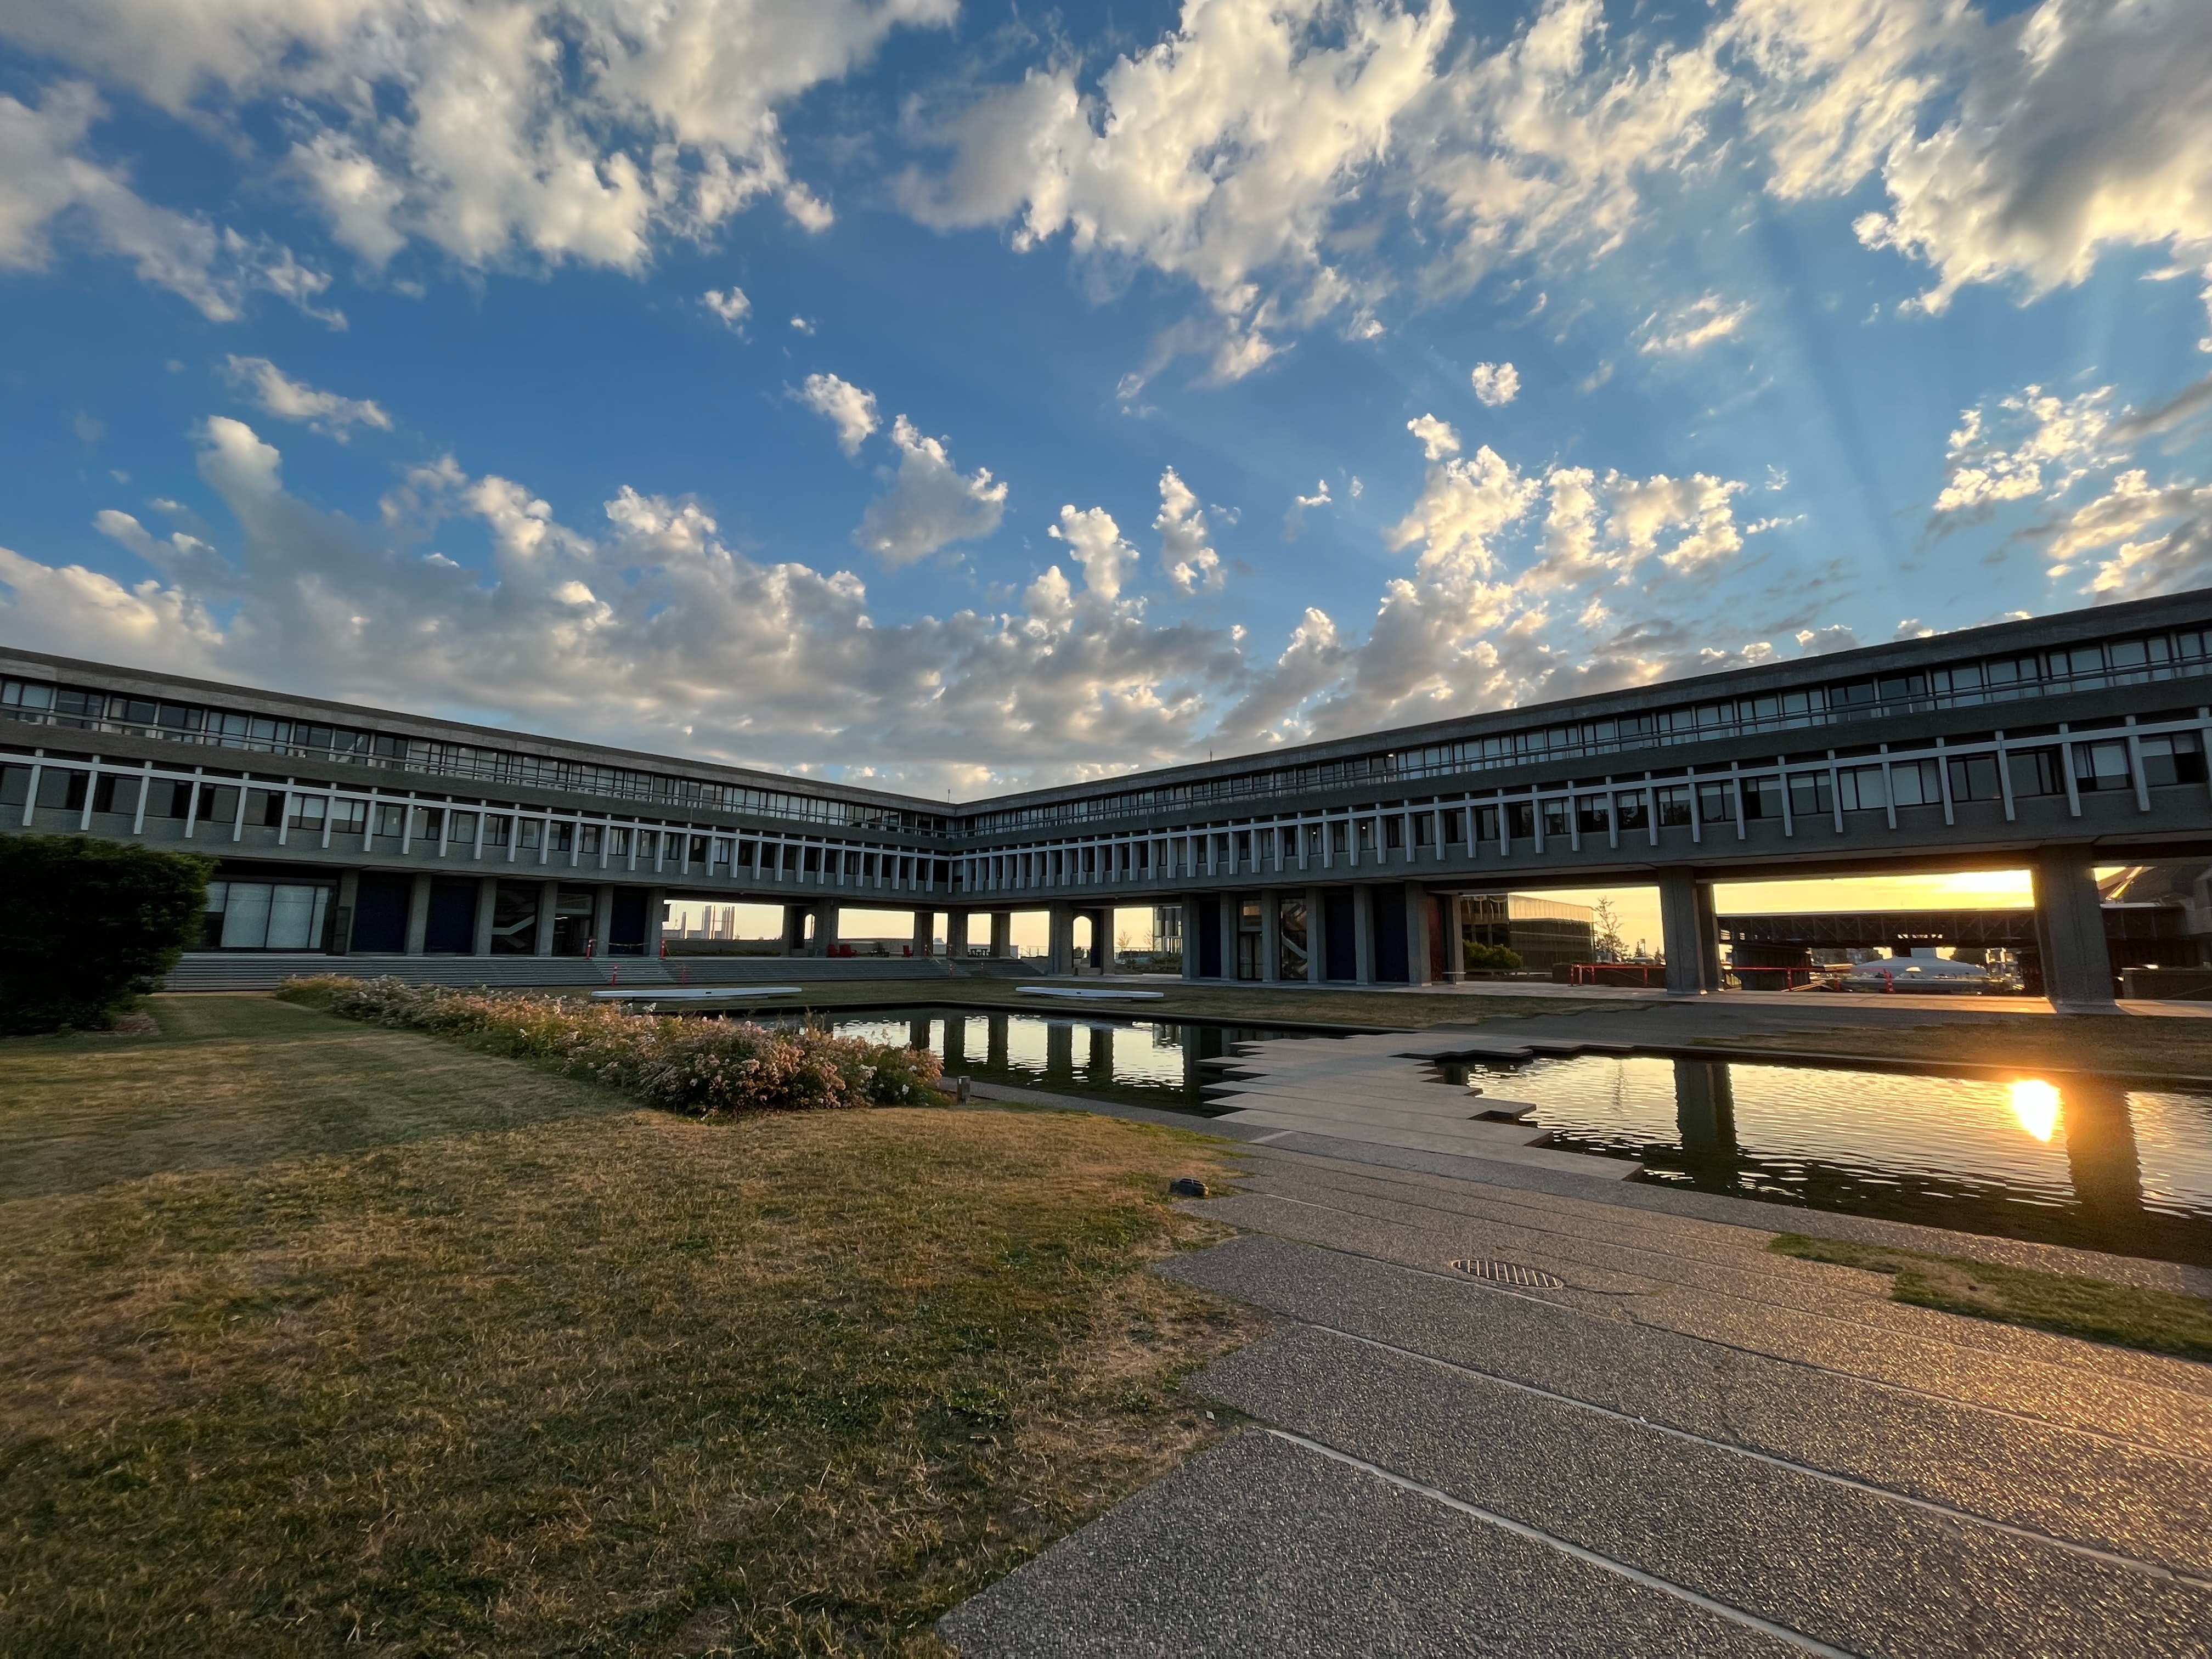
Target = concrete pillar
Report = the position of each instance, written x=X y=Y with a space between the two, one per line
x=1420 y=923
x=955 y=934
x=1002 y=935
x=549 y=900
x=1363 y=934
x=1454 y=957
x=418 y=914
x=1271 y=936
x=1225 y=908
x=1102 y=941
x=1316 y=937
x=1689 y=933
x=925 y=932
x=1187 y=904
x=1060 y=930
x=602 y=917
x=825 y=926
x=656 y=915
x=342 y=926
x=487 y=908
x=2070 y=931
x=794 y=930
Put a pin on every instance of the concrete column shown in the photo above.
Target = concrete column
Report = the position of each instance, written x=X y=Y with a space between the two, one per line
x=1101 y=940
x=1060 y=926
x=825 y=926
x=1689 y=933
x=1363 y=934
x=1271 y=936
x=602 y=917
x=549 y=899
x=1224 y=910
x=2070 y=931
x=1002 y=935
x=925 y=932
x=1188 y=904
x=349 y=899
x=1420 y=923
x=418 y=914
x=486 y=908
x=955 y=934
x=794 y=930
x=1316 y=937
x=656 y=915
x=1454 y=957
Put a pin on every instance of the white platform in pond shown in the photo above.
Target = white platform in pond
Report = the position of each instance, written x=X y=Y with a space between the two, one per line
x=697 y=994
x=1086 y=993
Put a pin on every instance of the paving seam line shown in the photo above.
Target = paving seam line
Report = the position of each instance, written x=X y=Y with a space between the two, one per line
x=1357 y=1168
x=1469 y=1282
x=1734 y=1615
x=1969 y=1349
x=2109 y=1557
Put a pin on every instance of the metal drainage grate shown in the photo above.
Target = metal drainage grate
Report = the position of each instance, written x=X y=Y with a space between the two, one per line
x=1511 y=1273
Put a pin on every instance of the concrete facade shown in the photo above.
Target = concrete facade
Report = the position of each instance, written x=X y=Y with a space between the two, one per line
x=2060 y=743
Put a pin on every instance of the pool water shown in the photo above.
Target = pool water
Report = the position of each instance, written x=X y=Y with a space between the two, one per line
x=2092 y=1163
x=1147 y=1062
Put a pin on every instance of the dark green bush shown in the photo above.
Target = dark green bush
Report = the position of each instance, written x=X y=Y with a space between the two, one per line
x=86 y=924
x=1495 y=958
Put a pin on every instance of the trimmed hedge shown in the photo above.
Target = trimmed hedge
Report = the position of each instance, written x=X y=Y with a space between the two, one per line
x=705 y=1066
x=85 y=925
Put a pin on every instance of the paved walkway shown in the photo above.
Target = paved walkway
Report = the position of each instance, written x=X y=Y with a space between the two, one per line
x=1661 y=1440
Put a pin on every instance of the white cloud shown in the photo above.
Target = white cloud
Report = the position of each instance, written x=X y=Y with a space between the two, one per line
x=1294 y=521
x=533 y=130
x=1094 y=542
x=1192 y=565
x=802 y=325
x=1693 y=326
x=49 y=187
x=931 y=504
x=2044 y=445
x=2155 y=538
x=731 y=306
x=1496 y=384
x=279 y=394
x=844 y=405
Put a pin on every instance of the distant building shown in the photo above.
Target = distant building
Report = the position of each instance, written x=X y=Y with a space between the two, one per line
x=1543 y=933
x=1167 y=927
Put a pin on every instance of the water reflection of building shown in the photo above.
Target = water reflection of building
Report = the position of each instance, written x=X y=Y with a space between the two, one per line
x=1544 y=933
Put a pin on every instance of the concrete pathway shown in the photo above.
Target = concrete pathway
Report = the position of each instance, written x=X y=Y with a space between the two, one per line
x=1648 y=1436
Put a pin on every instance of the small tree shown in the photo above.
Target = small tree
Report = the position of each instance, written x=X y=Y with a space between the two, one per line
x=1606 y=943
x=1495 y=958
x=85 y=925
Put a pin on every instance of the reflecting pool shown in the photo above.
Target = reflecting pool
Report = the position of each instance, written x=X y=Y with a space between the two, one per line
x=2069 y=1160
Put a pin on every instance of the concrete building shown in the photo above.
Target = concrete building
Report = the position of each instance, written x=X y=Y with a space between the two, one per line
x=2062 y=743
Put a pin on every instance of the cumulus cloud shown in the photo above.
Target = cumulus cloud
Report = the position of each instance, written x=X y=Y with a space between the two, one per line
x=50 y=189
x=1192 y=566
x=1294 y=521
x=535 y=130
x=1496 y=384
x=2034 y=443
x=1691 y=327
x=1094 y=542
x=277 y=393
x=930 y=503
x=731 y=305
x=844 y=405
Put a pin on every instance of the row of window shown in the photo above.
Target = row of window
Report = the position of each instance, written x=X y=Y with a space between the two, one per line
x=2075 y=668
x=105 y=711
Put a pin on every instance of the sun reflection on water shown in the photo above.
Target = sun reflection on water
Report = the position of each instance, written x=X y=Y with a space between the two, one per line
x=2035 y=1104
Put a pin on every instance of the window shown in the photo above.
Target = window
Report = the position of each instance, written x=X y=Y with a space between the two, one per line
x=1337 y=832
x=1485 y=823
x=1716 y=802
x=348 y=817
x=307 y=813
x=498 y=831
x=1366 y=829
x=1591 y=815
x=2101 y=766
x=1520 y=819
x=1425 y=830
x=1975 y=778
x=390 y=819
x=2035 y=772
x=594 y=838
x=1862 y=789
x=531 y=831
x=461 y=828
x=1555 y=819
x=1762 y=798
x=1632 y=809
x=257 y=915
x=722 y=849
x=265 y=807
x=1811 y=795
x=2177 y=759
x=1455 y=828
x=1916 y=783
x=1394 y=832
x=1673 y=806
x=429 y=824
x=560 y=836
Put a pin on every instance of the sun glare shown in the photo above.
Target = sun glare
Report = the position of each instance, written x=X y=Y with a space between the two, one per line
x=2035 y=1104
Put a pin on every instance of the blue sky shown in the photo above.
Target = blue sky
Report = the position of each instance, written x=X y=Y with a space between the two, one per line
x=948 y=394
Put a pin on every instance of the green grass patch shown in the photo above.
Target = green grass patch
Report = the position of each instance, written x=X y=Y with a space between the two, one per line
x=2125 y=1315
x=322 y=1334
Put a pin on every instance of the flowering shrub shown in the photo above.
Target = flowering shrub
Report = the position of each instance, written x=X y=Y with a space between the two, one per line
x=703 y=1066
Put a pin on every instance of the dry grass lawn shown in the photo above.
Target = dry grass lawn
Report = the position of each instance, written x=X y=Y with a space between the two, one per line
x=323 y=1335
